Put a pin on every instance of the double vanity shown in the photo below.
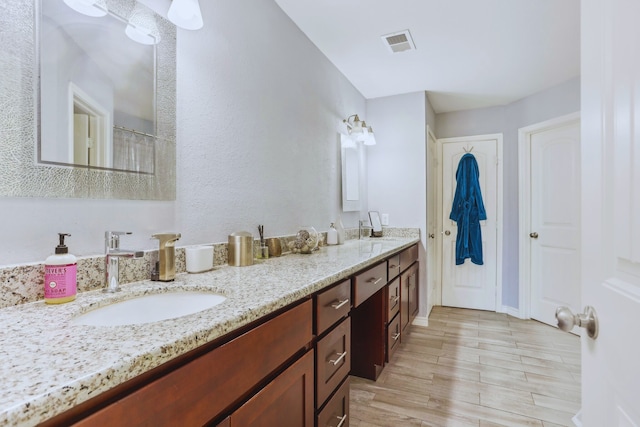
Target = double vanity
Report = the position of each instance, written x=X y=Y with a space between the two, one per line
x=277 y=346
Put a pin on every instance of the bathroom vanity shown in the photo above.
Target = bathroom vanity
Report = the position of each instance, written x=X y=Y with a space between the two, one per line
x=279 y=350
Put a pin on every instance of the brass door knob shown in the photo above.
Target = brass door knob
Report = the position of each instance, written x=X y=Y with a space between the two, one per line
x=447 y=233
x=533 y=235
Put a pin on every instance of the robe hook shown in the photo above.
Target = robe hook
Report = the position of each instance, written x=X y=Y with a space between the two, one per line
x=468 y=149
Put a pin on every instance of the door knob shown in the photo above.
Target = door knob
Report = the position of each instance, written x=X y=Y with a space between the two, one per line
x=533 y=235
x=588 y=320
x=447 y=233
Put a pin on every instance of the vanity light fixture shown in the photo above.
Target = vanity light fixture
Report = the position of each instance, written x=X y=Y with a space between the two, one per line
x=359 y=131
x=142 y=27
x=95 y=8
x=185 y=14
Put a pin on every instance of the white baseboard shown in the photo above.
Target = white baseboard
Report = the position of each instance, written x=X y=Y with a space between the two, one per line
x=420 y=321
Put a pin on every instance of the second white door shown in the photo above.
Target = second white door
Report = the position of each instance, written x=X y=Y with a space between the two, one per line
x=555 y=220
x=469 y=285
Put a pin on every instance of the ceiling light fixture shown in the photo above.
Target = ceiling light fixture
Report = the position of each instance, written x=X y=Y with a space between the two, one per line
x=359 y=131
x=95 y=8
x=142 y=26
x=185 y=14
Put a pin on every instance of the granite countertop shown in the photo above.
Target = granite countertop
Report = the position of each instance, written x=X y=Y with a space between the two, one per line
x=50 y=364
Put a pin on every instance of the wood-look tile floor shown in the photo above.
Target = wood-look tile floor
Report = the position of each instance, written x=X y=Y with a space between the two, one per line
x=474 y=368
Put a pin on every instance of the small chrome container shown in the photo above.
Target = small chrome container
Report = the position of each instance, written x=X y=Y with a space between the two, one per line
x=240 y=249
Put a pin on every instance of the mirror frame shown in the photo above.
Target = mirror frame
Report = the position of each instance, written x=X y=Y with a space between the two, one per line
x=21 y=175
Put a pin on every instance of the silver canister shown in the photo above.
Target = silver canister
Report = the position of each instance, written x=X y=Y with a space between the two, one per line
x=240 y=249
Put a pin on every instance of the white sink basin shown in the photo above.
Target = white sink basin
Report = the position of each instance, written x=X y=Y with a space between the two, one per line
x=150 y=308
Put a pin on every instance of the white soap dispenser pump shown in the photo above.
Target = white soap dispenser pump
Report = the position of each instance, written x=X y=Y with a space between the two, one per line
x=332 y=235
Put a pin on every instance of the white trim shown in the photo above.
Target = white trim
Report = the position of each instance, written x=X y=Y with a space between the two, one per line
x=420 y=321
x=524 y=205
x=103 y=116
x=439 y=225
x=499 y=200
x=511 y=311
x=434 y=276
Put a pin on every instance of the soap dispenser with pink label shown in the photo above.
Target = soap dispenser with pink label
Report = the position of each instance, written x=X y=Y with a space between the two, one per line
x=60 y=275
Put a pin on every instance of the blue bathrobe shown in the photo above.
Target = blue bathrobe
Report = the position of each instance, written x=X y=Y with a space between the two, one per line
x=467 y=211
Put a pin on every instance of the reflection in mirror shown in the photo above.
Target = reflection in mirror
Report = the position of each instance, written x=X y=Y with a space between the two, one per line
x=97 y=92
x=350 y=174
x=376 y=224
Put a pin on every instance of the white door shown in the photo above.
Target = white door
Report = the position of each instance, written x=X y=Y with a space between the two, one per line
x=469 y=285
x=554 y=233
x=610 y=98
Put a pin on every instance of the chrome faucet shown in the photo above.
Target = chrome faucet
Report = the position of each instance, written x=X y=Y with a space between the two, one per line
x=113 y=254
x=166 y=256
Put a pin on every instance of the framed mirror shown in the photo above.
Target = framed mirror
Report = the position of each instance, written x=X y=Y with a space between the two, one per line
x=23 y=175
x=97 y=89
x=351 y=170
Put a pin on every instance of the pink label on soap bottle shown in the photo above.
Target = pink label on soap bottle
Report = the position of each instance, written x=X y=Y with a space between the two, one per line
x=60 y=280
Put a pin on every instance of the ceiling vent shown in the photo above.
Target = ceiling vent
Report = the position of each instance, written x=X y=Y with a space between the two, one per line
x=399 y=42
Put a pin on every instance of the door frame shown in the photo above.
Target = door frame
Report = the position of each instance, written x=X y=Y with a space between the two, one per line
x=499 y=210
x=436 y=275
x=524 y=203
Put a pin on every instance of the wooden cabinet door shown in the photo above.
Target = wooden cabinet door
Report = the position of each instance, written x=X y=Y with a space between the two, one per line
x=287 y=401
x=413 y=292
x=404 y=299
x=408 y=296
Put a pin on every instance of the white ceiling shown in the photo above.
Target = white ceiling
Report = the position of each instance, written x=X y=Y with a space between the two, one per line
x=469 y=53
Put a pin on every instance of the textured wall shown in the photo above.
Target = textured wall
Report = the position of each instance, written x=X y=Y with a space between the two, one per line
x=258 y=111
x=397 y=166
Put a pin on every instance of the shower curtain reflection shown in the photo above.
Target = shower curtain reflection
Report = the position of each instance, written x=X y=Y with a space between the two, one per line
x=133 y=151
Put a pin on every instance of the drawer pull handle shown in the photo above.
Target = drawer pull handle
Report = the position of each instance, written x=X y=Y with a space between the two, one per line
x=339 y=359
x=342 y=420
x=339 y=304
x=374 y=280
x=394 y=299
x=393 y=266
x=395 y=337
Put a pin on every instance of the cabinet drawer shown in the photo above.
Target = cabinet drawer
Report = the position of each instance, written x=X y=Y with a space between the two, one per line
x=333 y=360
x=393 y=299
x=336 y=413
x=393 y=337
x=393 y=267
x=408 y=257
x=332 y=305
x=197 y=392
x=368 y=283
x=287 y=401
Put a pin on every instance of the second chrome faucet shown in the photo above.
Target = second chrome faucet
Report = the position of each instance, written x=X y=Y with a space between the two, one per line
x=113 y=254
